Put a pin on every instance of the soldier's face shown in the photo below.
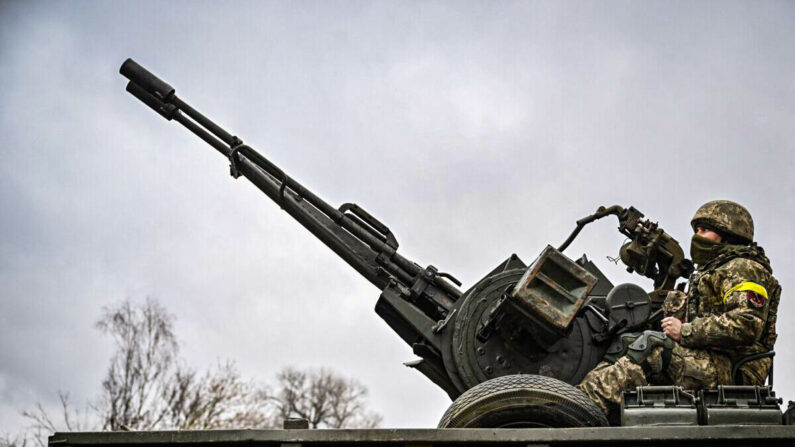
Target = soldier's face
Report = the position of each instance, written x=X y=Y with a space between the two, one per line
x=708 y=234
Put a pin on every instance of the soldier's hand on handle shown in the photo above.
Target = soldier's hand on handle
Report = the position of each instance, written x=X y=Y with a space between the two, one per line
x=672 y=327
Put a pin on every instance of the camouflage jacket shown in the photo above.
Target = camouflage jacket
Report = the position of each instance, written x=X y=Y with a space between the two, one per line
x=731 y=308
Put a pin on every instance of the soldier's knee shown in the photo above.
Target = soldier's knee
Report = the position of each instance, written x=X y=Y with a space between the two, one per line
x=652 y=350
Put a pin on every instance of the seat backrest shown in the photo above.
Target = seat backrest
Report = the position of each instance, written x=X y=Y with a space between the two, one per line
x=737 y=374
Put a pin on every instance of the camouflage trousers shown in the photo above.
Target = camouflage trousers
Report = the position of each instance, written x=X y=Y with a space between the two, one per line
x=692 y=369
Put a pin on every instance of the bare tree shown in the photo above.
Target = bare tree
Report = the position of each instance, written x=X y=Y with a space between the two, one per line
x=7 y=440
x=323 y=398
x=147 y=387
x=217 y=399
x=42 y=423
x=146 y=349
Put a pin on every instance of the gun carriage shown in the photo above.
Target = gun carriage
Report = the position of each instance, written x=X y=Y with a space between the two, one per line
x=540 y=323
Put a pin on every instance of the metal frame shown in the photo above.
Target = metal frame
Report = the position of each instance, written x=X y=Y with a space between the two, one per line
x=770 y=436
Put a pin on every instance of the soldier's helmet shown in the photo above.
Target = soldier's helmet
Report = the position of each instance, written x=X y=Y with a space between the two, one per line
x=726 y=217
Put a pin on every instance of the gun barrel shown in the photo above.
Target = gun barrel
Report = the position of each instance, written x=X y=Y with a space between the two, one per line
x=165 y=109
x=144 y=78
x=351 y=232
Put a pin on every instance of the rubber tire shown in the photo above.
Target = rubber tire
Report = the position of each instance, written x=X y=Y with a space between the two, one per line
x=520 y=401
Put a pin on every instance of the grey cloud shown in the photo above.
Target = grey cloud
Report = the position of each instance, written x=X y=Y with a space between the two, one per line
x=474 y=130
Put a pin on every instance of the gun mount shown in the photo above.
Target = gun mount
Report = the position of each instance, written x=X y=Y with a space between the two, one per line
x=548 y=318
x=554 y=318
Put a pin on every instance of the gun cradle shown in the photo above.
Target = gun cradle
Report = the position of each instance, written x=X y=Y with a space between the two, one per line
x=544 y=319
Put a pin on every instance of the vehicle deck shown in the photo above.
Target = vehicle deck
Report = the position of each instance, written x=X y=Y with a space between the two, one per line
x=768 y=436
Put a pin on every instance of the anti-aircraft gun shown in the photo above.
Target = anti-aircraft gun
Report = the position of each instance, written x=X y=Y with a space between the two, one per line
x=543 y=323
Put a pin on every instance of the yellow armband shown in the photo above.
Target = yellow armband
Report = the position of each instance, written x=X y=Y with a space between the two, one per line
x=747 y=286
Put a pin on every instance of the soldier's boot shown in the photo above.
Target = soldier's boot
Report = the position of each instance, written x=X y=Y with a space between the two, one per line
x=648 y=354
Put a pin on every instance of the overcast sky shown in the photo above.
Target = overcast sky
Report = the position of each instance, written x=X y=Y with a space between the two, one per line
x=472 y=129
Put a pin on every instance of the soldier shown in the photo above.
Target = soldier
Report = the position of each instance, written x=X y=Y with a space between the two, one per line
x=728 y=313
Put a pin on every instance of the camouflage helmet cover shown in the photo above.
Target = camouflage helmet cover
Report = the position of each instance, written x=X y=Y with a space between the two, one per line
x=726 y=216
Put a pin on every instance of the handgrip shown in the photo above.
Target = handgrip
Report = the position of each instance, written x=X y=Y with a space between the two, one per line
x=600 y=213
x=149 y=82
x=374 y=223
